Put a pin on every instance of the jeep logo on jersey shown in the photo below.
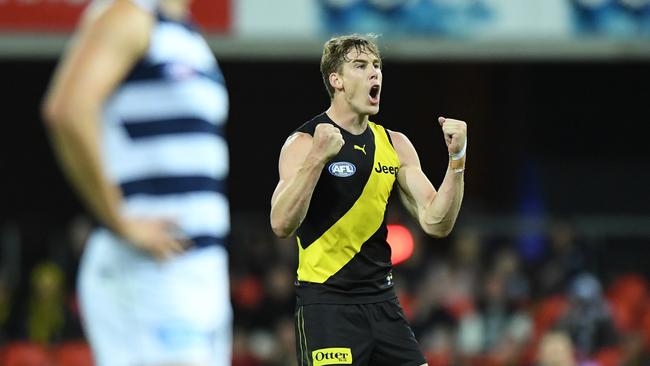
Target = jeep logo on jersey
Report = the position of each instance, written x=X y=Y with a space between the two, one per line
x=342 y=169
x=332 y=356
x=386 y=169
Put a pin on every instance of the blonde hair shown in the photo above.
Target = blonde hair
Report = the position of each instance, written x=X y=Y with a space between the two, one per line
x=335 y=53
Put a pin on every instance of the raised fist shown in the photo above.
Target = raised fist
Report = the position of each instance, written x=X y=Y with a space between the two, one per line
x=455 y=132
x=327 y=141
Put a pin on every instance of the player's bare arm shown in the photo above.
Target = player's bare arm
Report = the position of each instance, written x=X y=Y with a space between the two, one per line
x=435 y=210
x=301 y=162
x=107 y=46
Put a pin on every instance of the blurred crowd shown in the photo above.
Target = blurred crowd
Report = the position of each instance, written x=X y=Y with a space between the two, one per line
x=485 y=18
x=472 y=299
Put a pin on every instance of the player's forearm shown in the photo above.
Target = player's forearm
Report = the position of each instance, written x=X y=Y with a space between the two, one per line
x=291 y=204
x=439 y=217
x=76 y=143
x=409 y=203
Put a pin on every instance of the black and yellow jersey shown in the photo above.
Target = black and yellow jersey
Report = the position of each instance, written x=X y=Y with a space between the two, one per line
x=343 y=254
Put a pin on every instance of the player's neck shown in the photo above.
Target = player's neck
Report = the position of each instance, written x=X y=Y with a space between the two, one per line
x=175 y=9
x=348 y=119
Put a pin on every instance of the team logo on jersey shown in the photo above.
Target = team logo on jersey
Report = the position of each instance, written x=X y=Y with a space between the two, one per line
x=342 y=169
x=332 y=356
x=389 y=279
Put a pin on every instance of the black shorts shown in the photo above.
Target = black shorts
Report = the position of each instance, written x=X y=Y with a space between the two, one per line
x=358 y=334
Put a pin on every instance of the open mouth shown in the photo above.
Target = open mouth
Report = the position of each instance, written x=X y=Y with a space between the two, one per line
x=373 y=95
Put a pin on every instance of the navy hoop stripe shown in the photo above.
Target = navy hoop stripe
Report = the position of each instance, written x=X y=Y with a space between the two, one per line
x=171 y=126
x=158 y=186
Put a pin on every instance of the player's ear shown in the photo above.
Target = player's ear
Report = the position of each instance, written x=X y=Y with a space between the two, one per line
x=335 y=81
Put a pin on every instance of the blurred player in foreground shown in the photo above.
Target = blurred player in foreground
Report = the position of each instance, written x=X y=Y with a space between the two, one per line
x=136 y=110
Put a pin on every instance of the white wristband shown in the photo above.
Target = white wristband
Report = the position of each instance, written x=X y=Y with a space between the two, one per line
x=460 y=154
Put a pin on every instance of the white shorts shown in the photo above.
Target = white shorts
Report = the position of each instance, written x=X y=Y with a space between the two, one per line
x=140 y=312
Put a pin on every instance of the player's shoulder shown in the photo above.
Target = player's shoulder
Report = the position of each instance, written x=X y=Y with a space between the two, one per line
x=310 y=126
x=387 y=133
x=303 y=135
x=297 y=144
x=378 y=128
x=130 y=15
x=398 y=139
x=395 y=134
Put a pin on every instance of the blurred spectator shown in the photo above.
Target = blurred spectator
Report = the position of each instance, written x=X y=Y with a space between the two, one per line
x=438 y=345
x=79 y=229
x=263 y=346
x=499 y=327
x=634 y=351
x=5 y=307
x=279 y=301
x=556 y=349
x=564 y=260
x=508 y=265
x=247 y=297
x=466 y=260
x=241 y=354
x=286 y=345
x=47 y=308
x=10 y=267
x=627 y=297
x=263 y=296
x=588 y=320
x=435 y=298
x=67 y=253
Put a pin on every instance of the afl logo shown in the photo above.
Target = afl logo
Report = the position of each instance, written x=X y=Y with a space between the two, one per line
x=342 y=169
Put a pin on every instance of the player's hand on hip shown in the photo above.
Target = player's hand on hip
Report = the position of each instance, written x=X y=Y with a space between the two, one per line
x=455 y=132
x=158 y=237
x=327 y=141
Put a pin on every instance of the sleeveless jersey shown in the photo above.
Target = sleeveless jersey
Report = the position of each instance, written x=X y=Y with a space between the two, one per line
x=163 y=140
x=343 y=254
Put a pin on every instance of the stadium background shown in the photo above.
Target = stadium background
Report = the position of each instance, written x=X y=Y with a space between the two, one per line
x=556 y=205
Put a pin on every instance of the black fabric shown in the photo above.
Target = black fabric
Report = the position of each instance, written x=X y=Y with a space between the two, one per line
x=367 y=276
x=377 y=334
x=372 y=269
x=333 y=196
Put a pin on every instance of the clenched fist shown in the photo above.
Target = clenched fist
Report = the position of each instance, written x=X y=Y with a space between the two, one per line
x=327 y=141
x=455 y=132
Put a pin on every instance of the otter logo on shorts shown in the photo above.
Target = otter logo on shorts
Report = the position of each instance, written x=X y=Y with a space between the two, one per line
x=332 y=356
x=342 y=169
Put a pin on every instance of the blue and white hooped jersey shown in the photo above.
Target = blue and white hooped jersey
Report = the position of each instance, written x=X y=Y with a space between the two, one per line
x=164 y=140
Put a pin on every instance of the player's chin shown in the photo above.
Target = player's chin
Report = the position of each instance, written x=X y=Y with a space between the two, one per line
x=372 y=110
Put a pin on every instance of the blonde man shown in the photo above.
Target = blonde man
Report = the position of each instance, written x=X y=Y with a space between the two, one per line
x=336 y=174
